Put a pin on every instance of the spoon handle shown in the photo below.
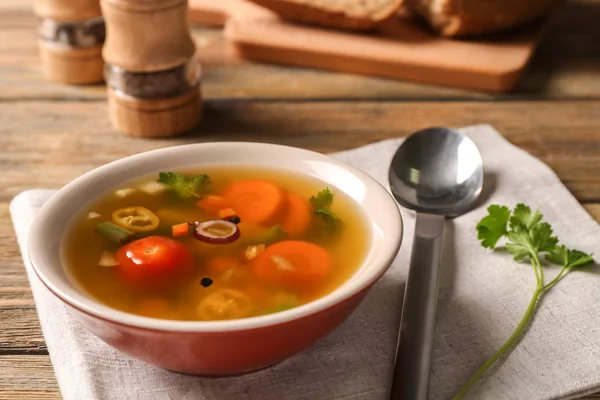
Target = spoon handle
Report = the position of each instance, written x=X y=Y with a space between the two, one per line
x=413 y=360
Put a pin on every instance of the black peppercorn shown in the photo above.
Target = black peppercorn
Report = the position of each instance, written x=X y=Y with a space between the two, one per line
x=206 y=282
x=233 y=219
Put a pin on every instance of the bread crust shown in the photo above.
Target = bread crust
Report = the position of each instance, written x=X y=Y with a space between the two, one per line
x=460 y=18
x=314 y=15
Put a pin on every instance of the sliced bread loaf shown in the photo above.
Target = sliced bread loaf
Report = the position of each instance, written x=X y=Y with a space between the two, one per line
x=342 y=14
x=455 y=18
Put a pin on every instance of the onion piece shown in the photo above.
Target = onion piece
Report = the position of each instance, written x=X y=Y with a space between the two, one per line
x=254 y=250
x=122 y=193
x=93 y=215
x=216 y=231
x=107 y=259
x=153 y=188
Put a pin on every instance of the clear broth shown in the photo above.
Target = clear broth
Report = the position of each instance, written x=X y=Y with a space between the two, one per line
x=83 y=248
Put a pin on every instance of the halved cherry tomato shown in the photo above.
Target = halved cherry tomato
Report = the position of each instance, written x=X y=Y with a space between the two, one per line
x=225 y=304
x=136 y=219
x=154 y=263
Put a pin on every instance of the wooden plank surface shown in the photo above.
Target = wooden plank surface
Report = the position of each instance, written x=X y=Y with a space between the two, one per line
x=66 y=139
x=51 y=133
x=27 y=377
x=564 y=67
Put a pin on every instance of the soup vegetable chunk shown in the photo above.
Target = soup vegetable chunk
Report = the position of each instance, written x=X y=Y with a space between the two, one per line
x=222 y=243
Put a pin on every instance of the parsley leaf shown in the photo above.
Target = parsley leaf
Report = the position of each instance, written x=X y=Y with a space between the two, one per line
x=321 y=204
x=522 y=216
x=493 y=226
x=579 y=259
x=519 y=251
x=528 y=237
x=519 y=244
x=323 y=199
x=542 y=239
x=569 y=258
x=332 y=223
x=559 y=256
x=185 y=187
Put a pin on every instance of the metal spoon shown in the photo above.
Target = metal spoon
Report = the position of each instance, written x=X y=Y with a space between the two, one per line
x=438 y=173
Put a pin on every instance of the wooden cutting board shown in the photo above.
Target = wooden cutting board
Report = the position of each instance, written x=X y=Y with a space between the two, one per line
x=218 y=12
x=403 y=48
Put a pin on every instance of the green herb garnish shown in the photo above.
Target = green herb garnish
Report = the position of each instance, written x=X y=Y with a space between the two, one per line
x=528 y=238
x=113 y=232
x=332 y=223
x=272 y=235
x=323 y=199
x=185 y=187
x=493 y=226
x=321 y=204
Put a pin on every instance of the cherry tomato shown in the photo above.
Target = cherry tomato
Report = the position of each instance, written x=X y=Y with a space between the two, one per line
x=154 y=263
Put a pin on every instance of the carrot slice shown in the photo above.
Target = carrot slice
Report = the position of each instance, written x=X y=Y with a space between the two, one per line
x=227 y=212
x=220 y=264
x=182 y=229
x=212 y=203
x=296 y=218
x=255 y=201
x=293 y=263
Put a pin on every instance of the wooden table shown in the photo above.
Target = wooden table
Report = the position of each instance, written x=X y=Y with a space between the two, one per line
x=51 y=133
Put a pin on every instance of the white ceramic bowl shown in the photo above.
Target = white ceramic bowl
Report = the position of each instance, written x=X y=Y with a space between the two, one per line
x=217 y=347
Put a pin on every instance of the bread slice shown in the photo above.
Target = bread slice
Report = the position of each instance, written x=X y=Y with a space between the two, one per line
x=457 y=18
x=342 y=14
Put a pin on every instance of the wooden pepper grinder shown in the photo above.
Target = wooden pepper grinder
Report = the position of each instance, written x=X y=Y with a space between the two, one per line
x=71 y=34
x=152 y=73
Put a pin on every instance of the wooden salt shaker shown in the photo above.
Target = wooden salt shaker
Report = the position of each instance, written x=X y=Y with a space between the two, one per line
x=71 y=34
x=152 y=73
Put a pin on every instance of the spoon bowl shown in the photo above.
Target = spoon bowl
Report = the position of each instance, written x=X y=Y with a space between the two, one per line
x=437 y=172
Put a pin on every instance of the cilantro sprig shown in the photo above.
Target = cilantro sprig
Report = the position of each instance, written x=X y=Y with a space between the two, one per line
x=530 y=239
x=323 y=199
x=183 y=186
x=321 y=203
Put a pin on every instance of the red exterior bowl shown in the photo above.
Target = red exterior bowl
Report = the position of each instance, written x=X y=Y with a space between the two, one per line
x=216 y=347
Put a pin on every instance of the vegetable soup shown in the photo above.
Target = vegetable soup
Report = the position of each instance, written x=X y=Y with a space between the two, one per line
x=221 y=243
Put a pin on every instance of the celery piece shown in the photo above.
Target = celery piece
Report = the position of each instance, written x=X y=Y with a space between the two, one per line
x=270 y=236
x=113 y=232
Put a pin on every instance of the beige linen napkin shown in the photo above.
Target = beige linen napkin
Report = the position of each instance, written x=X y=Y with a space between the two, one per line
x=482 y=297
